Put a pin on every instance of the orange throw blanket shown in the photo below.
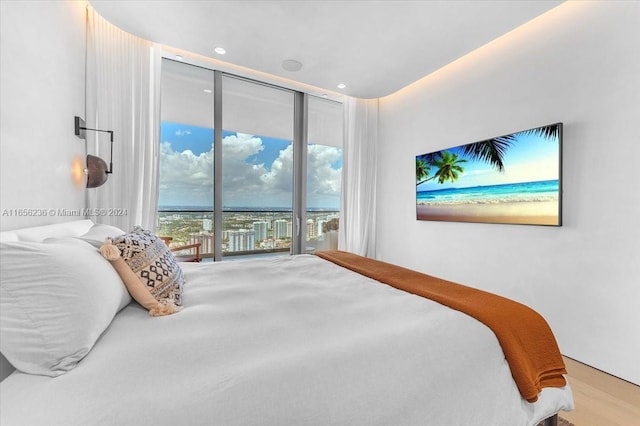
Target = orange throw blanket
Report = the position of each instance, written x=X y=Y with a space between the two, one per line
x=526 y=339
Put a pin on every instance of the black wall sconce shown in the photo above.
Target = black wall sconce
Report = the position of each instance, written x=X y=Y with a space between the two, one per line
x=97 y=172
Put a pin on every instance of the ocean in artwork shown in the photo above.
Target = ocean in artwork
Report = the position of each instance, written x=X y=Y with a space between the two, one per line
x=524 y=192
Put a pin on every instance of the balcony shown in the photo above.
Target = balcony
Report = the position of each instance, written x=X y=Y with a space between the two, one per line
x=247 y=232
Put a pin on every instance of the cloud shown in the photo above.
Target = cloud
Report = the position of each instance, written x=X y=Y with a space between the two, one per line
x=187 y=179
x=280 y=177
x=323 y=178
x=183 y=132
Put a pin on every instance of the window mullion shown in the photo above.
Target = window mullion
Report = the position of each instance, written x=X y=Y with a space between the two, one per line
x=217 y=164
x=300 y=126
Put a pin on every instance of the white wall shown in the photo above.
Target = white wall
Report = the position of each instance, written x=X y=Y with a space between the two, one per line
x=42 y=87
x=42 y=62
x=579 y=64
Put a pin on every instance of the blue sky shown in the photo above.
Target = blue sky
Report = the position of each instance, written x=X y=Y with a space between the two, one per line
x=196 y=139
x=257 y=170
x=200 y=139
x=531 y=158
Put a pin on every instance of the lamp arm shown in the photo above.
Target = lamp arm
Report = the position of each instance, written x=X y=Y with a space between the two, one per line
x=79 y=125
x=110 y=138
x=111 y=158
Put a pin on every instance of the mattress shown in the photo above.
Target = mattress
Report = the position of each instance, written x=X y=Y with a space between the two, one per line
x=292 y=340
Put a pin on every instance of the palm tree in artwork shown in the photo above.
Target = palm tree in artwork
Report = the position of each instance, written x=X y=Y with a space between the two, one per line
x=492 y=151
x=423 y=168
x=551 y=131
x=449 y=168
x=447 y=163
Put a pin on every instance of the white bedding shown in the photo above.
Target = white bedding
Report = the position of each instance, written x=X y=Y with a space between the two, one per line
x=293 y=340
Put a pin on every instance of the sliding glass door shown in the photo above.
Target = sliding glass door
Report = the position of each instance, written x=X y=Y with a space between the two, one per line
x=246 y=168
x=185 y=205
x=257 y=167
x=324 y=173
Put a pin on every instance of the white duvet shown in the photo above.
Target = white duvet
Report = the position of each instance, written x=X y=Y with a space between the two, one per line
x=293 y=340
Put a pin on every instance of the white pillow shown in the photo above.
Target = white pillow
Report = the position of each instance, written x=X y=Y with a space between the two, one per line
x=38 y=233
x=99 y=232
x=56 y=299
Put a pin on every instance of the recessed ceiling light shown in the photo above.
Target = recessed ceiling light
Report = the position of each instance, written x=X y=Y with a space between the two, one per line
x=179 y=57
x=291 y=65
x=341 y=86
x=220 y=50
x=208 y=91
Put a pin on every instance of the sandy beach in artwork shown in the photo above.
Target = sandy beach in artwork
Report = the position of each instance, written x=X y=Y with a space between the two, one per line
x=532 y=212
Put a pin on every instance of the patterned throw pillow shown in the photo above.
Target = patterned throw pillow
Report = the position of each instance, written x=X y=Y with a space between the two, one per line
x=154 y=264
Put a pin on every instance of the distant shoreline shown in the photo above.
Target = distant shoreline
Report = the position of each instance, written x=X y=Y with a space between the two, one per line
x=534 y=213
x=523 y=192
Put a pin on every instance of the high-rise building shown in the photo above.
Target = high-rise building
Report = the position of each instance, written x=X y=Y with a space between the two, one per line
x=207 y=224
x=280 y=229
x=242 y=240
x=206 y=241
x=312 y=231
x=260 y=229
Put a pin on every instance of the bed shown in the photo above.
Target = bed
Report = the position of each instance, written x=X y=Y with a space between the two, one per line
x=291 y=340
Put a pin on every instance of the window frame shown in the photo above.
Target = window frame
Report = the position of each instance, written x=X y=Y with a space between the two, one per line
x=300 y=144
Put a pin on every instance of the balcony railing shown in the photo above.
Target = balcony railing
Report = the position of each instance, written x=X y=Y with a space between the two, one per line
x=247 y=232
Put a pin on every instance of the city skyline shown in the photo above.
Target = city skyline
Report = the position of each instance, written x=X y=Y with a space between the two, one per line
x=243 y=231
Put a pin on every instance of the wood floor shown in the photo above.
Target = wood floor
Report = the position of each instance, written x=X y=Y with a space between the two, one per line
x=601 y=399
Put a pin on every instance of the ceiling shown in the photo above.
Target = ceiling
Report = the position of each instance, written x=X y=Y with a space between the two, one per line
x=374 y=47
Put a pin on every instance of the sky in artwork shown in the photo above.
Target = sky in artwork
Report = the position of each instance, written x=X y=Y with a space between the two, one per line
x=531 y=158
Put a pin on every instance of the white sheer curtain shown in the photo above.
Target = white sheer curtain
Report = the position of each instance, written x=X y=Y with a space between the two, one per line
x=122 y=93
x=358 y=208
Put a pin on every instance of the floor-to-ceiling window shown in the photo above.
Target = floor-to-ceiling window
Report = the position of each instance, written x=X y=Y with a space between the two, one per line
x=324 y=173
x=257 y=197
x=185 y=204
x=257 y=167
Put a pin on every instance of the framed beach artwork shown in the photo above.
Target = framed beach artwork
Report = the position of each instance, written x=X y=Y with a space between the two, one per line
x=515 y=178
